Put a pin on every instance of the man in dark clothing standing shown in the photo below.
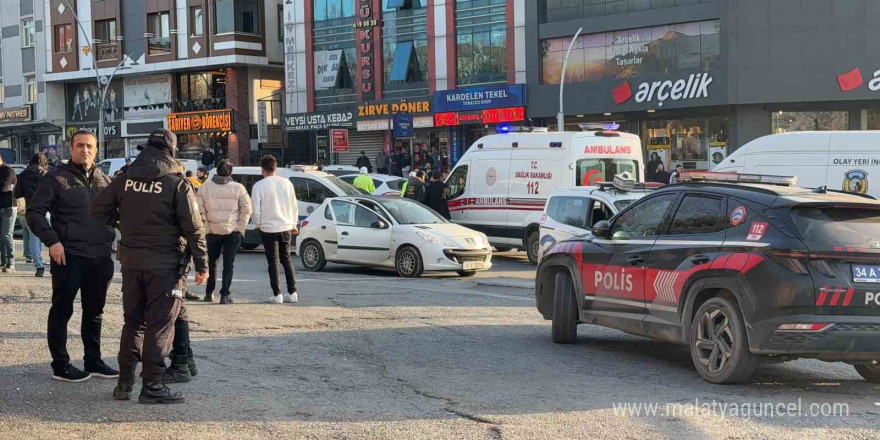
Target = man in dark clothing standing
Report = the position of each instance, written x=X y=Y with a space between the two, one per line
x=364 y=161
x=662 y=176
x=28 y=181
x=150 y=196
x=80 y=251
x=8 y=211
x=383 y=162
x=435 y=195
x=415 y=188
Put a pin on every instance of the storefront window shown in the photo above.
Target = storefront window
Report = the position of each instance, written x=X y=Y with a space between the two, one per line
x=686 y=140
x=784 y=122
x=481 y=29
x=562 y=10
x=201 y=91
x=872 y=119
x=634 y=52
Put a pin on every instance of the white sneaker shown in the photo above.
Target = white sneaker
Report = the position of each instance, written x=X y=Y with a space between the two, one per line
x=277 y=299
x=290 y=297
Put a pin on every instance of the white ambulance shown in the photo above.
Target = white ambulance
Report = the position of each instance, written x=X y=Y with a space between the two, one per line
x=840 y=160
x=500 y=185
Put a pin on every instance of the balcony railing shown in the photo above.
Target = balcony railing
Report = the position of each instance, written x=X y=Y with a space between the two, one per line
x=107 y=51
x=159 y=46
x=195 y=105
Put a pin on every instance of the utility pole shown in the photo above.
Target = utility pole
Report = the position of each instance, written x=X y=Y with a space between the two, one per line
x=104 y=85
x=560 y=117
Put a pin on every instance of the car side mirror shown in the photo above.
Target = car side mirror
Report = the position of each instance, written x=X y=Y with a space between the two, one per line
x=320 y=198
x=602 y=229
x=379 y=224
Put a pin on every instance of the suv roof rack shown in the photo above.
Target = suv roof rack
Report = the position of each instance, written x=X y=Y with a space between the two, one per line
x=720 y=177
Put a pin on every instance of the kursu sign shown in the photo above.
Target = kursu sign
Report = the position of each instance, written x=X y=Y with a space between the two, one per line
x=198 y=122
x=364 y=31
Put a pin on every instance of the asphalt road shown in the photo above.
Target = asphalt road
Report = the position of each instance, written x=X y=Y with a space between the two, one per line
x=367 y=355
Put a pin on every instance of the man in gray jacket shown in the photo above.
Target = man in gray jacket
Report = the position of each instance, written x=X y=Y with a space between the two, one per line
x=226 y=208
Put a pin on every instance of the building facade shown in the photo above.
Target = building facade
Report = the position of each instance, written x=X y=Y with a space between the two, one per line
x=392 y=75
x=29 y=120
x=699 y=78
x=204 y=69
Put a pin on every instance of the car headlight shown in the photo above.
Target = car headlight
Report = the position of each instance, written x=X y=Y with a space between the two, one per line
x=432 y=239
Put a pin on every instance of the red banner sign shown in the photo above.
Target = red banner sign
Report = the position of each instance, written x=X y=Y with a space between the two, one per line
x=339 y=140
x=491 y=116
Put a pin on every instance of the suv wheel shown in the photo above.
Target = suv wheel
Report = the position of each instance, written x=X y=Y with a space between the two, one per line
x=533 y=247
x=871 y=372
x=409 y=263
x=718 y=343
x=565 y=313
x=313 y=256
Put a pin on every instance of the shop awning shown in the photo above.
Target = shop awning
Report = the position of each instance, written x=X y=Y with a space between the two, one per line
x=33 y=127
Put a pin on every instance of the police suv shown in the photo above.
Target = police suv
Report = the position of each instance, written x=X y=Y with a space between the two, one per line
x=741 y=268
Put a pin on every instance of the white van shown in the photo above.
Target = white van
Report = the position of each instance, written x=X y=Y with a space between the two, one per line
x=312 y=188
x=500 y=185
x=841 y=160
x=111 y=166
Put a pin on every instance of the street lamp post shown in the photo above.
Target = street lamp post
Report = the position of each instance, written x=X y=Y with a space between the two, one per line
x=560 y=117
x=103 y=87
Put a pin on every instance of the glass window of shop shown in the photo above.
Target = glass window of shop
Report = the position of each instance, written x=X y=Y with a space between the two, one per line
x=629 y=53
x=481 y=30
x=562 y=10
x=201 y=91
x=687 y=139
x=871 y=119
x=784 y=122
x=334 y=31
x=405 y=49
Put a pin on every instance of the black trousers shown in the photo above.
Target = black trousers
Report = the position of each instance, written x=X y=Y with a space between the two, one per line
x=91 y=277
x=181 y=349
x=382 y=170
x=277 y=246
x=151 y=303
x=227 y=245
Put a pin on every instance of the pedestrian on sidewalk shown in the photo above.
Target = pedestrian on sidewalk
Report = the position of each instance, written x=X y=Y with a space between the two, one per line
x=153 y=196
x=28 y=182
x=79 y=247
x=226 y=209
x=276 y=215
x=8 y=211
x=383 y=162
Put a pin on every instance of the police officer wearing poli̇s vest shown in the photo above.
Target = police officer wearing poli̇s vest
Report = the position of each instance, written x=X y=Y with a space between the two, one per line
x=159 y=219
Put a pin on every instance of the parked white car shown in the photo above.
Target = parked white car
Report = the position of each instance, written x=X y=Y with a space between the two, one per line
x=390 y=232
x=571 y=212
x=385 y=185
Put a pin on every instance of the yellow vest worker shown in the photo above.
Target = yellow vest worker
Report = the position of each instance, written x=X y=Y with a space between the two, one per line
x=364 y=182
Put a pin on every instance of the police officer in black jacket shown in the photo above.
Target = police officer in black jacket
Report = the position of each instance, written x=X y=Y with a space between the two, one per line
x=158 y=218
x=80 y=251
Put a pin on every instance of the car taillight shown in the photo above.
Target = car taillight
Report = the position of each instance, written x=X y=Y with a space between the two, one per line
x=804 y=327
x=790 y=260
x=822 y=267
x=304 y=223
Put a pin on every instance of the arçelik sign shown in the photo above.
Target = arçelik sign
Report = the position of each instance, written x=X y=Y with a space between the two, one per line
x=695 y=86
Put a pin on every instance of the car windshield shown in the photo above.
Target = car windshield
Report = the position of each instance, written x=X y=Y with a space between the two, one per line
x=346 y=187
x=407 y=212
x=839 y=226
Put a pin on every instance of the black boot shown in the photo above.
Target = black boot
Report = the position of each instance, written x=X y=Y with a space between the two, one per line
x=191 y=296
x=157 y=392
x=123 y=390
x=176 y=374
x=209 y=297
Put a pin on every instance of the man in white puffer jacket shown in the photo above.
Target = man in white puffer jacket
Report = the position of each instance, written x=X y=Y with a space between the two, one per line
x=226 y=209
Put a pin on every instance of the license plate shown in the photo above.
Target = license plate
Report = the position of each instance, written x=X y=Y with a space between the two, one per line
x=473 y=265
x=866 y=274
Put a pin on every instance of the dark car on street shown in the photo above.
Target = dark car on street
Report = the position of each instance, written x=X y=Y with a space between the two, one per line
x=743 y=269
